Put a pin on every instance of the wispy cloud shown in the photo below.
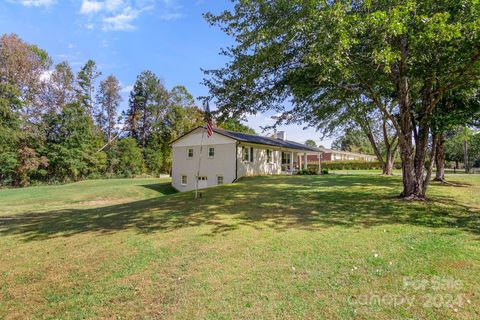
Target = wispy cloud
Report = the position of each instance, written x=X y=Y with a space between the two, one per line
x=170 y=16
x=120 y=15
x=34 y=3
x=90 y=7
x=126 y=89
x=122 y=21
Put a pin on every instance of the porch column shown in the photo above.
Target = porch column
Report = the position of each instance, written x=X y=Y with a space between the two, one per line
x=320 y=163
x=305 y=163
x=291 y=162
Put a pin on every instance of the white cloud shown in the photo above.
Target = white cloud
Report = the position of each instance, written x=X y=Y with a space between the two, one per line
x=170 y=16
x=120 y=15
x=90 y=7
x=121 y=21
x=127 y=89
x=34 y=3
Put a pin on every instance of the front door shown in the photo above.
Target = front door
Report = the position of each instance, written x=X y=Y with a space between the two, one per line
x=202 y=182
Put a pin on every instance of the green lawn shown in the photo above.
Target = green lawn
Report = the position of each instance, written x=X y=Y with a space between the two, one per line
x=338 y=246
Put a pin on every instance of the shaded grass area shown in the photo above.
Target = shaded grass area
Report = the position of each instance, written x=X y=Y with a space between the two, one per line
x=81 y=194
x=265 y=247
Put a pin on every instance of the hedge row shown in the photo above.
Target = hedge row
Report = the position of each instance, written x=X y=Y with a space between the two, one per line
x=353 y=165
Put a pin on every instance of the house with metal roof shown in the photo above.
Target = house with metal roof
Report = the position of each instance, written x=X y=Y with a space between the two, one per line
x=226 y=156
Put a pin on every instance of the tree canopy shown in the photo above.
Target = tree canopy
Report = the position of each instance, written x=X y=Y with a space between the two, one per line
x=60 y=125
x=402 y=57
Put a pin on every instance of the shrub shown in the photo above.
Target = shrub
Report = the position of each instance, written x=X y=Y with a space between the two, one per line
x=355 y=165
x=324 y=171
x=308 y=171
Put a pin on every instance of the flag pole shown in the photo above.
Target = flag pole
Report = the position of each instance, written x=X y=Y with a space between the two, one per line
x=199 y=161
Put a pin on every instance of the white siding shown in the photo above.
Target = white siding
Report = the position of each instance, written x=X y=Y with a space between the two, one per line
x=259 y=166
x=222 y=164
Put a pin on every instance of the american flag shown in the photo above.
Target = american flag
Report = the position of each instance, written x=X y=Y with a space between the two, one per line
x=209 y=120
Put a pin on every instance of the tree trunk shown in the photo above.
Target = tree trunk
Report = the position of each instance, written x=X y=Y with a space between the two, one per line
x=465 y=156
x=405 y=135
x=388 y=166
x=440 y=158
x=435 y=138
x=420 y=157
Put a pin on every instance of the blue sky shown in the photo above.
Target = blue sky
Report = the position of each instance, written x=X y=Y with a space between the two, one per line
x=125 y=37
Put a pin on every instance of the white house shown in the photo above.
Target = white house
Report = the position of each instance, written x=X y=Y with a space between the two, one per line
x=227 y=156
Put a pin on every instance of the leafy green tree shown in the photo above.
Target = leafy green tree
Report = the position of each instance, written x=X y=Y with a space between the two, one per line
x=311 y=143
x=59 y=88
x=455 y=143
x=232 y=124
x=130 y=158
x=413 y=51
x=108 y=101
x=72 y=144
x=10 y=132
x=86 y=78
x=145 y=105
x=353 y=140
x=457 y=108
x=22 y=67
x=177 y=116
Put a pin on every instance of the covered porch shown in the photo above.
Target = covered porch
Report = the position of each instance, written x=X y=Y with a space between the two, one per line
x=294 y=160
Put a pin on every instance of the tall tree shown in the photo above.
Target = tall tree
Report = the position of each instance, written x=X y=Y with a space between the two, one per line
x=86 y=78
x=22 y=67
x=143 y=106
x=235 y=125
x=415 y=51
x=457 y=108
x=108 y=101
x=59 y=88
x=353 y=140
x=72 y=144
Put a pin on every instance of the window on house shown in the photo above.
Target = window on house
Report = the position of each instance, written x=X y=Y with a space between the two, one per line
x=190 y=152
x=211 y=152
x=251 y=154
x=286 y=156
x=245 y=153
x=219 y=180
x=202 y=178
x=184 y=180
x=269 y=156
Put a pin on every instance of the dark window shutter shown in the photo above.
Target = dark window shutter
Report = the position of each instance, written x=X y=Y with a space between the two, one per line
x=251 y=154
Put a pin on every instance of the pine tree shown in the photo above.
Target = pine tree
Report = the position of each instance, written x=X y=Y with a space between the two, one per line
x=86 y=78
x=108 y=101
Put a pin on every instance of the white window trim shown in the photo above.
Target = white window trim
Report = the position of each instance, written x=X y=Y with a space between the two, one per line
x=208 y=150
x=193 y=153
x=271 y=155
x=181 y=179
x=248 y=153
x=223 y=179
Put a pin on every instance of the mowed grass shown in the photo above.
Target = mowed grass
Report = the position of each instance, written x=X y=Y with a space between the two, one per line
x=304 y=247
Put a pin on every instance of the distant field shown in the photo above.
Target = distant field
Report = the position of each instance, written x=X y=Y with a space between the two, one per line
x=304 y=247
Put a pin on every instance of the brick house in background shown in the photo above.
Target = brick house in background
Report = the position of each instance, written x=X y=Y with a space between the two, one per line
x=338 y=155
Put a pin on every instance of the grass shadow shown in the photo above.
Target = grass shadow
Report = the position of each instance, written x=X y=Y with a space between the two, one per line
x=163 y=188
x=310 y=203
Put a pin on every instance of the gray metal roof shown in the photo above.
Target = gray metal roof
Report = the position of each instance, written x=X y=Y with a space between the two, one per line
x=251 y=138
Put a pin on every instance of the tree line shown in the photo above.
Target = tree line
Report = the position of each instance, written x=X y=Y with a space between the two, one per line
x=405 y=73
x=57 y=125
